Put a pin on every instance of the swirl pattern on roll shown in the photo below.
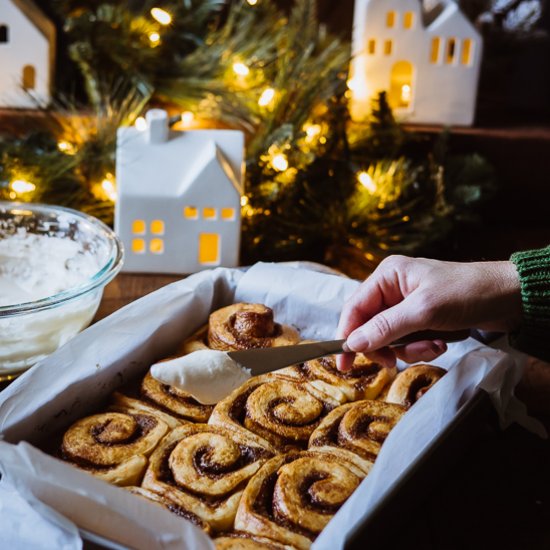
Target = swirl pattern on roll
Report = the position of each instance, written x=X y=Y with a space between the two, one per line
x=412 y=383
x=282 y=413
x=355 y=431
x=113 y=445
x=204 y=469
x=366 y=380
x=294 y=496
x=239 y=540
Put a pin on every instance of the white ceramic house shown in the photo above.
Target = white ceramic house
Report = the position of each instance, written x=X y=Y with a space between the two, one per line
x=27 y=51
x=426 y=59
x=179 y=197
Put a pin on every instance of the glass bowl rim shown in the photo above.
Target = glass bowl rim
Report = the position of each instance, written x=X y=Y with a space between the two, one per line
x=103 y=276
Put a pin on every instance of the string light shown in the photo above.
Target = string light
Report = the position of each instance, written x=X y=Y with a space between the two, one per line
x=187 y=118
x=366 y=181
x=108 y=186
x=267 y=97
x=252 y=2
x=279 y=162
x=244 y=200
x=162 y=16
x=312 y=131
x=154 y=37
x=66 y=147
x=22 y=186
x=241 y=69
x=141 y=124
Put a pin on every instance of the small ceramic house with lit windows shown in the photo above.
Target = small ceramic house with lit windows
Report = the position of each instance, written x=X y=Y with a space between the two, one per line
x=27 y=50
x=179 y=197
x=425 y=56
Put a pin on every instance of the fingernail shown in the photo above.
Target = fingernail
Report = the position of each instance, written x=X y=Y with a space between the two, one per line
x=356 y=341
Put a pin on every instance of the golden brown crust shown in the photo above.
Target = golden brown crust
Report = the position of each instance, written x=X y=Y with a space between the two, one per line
x=238 y=540
x=355 y=431
x=412 y=383
x=113 y=445
x=170 y=506
x=282 y=413
x=293 y=497
x=204 y=469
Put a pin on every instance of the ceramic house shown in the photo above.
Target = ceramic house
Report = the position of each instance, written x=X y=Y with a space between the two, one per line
x=27 y=50
x=426 y=57
x=179 y=197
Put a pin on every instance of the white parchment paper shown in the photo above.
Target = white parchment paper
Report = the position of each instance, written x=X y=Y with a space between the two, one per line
x=73 y=381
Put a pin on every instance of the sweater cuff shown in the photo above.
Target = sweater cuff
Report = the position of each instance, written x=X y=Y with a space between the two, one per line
x=533 y=336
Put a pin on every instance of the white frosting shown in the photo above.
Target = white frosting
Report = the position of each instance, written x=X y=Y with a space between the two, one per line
x=208 y=375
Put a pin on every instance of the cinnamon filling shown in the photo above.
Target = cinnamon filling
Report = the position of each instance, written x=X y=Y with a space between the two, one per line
x=202 y=461
x=103 y=432
x=417 y=389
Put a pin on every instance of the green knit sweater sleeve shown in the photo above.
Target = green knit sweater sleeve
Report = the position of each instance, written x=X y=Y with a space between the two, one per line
x=533 y=337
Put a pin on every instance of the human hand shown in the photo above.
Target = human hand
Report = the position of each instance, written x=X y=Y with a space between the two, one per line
x=406 y=295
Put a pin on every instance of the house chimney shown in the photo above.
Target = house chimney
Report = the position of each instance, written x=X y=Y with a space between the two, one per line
x=157 y=125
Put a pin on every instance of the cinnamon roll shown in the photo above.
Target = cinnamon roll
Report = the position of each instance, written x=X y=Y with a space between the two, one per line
x=282 y=413
x=170 y=506
x=294 y=496
x=239 y=540
x=113 y=445
x=355 y=431
x=242 y=326
x=412 y=383
x=204 y=469
x=365 y=381
x=123 y=403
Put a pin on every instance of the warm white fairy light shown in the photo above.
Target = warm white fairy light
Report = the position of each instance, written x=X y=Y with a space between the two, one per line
x=108 y=185
x=366 y=181
x=267 y=97
x=162 y=16
x=241 y=69
x=141 y=124
x=187 y=118
x=312 y=131
x=66 y=147
x=244 y=200
x=22 y=186
x=154 y=38
x=252 y=2
x=279 y=162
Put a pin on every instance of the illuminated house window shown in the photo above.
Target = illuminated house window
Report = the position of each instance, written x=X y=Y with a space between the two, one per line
x=138 y=227
x=450 y=53
x=436 y=47
x=228 y=214
x=388 y=46
x=401 y=85
x=191 y=212
x=29 y=77
x=466 y=54
x=4 y=35
x=157 y=227
x=390 y=19
x=138 y=246
x=156 y=246
x=209 y=248
x=209 y=213
x=371 y=48
x=408 y=20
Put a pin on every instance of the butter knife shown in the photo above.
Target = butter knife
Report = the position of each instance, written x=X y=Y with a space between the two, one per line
x=264 y=360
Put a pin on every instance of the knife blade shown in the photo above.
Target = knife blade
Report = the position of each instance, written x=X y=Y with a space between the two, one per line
x=264 y=360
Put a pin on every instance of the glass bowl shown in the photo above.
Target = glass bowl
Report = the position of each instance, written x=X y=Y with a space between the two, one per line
x=31 y=330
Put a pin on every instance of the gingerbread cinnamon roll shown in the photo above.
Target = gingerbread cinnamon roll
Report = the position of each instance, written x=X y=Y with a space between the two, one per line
x=355 y=431
x=239 y=540
x=294 y=496
x=365 y=381
x=170 y=506
x=412 y=383
x=241 y=326
x=204 y=469
x=113 y=445
x=282 y=413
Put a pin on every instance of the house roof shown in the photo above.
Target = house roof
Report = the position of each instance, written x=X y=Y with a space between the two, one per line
x=37 y=18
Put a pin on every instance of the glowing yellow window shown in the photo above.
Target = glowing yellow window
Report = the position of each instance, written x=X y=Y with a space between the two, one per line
x=191 y=212
x=138 y=227
x=138 y=246
x=390 y=19
x=371 y=47
x=209 y=213
x=436 y=46
x=157 y=227
x=228 y=213
x=466 y=54
x=451 y=51
x=209 y=248
x=408 y=20
x=388 y=46
x=156 y=246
